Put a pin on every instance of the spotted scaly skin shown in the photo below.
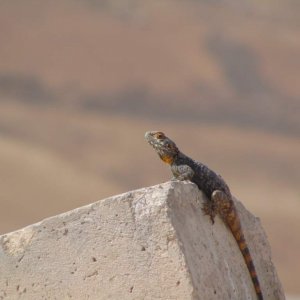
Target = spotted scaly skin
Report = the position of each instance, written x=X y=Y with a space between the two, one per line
x=214 y=187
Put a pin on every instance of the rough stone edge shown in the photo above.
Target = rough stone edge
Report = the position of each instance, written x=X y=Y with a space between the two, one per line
x=240 y=208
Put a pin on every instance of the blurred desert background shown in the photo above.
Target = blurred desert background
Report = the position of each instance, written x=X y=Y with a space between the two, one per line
x=81 y=81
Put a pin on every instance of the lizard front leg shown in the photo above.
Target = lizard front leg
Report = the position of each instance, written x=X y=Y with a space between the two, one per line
x=182 y=172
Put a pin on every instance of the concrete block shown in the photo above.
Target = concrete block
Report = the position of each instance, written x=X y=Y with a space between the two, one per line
x=152 y=243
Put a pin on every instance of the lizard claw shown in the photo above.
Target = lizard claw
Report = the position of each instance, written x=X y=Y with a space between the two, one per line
x=209 y=210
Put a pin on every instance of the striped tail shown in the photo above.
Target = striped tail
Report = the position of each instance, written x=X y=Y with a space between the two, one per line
x=234 y=225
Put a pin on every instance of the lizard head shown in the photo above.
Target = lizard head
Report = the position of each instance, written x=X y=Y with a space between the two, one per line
x=164 y=147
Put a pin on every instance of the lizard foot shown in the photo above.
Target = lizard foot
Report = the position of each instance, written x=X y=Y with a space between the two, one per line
x=208 y=209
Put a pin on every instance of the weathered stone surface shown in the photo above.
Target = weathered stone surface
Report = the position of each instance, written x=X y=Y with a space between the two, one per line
x=152 y=243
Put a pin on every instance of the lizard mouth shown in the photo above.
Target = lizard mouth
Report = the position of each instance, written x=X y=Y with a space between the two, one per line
x=154 y=142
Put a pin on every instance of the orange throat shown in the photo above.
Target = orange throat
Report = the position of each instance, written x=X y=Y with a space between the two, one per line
x=167 y=159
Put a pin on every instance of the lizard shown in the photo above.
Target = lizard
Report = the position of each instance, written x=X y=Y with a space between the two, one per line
x=219 y=199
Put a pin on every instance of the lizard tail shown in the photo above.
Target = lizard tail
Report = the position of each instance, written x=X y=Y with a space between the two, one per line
x=234 y=224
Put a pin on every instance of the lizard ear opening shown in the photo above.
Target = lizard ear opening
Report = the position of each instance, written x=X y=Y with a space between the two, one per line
x=172 y=147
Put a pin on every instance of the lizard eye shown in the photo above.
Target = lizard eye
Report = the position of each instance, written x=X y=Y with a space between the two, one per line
x=159 y=135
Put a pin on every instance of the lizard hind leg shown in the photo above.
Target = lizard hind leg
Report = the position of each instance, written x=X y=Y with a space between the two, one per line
x=223 y=204
x=215 y=205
